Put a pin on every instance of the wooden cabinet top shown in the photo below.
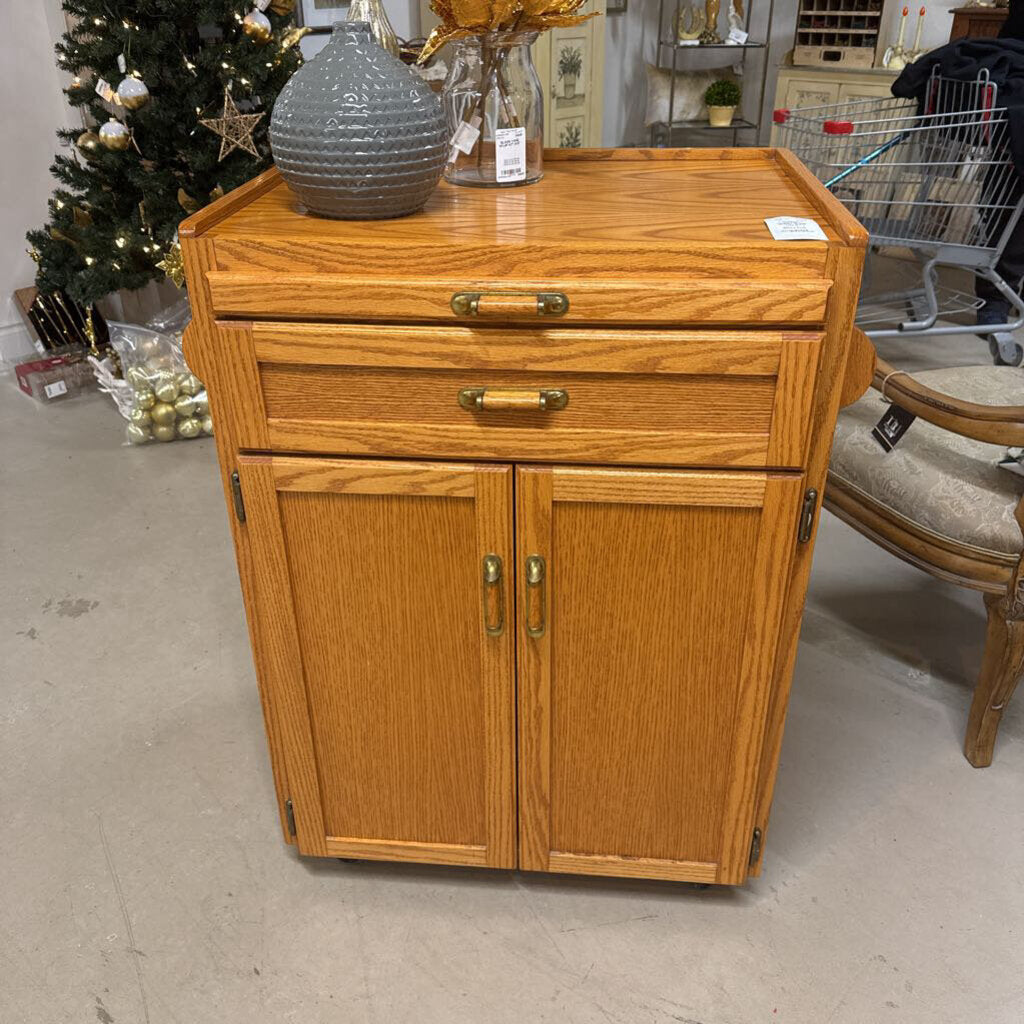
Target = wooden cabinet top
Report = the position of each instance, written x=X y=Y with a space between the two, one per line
x=646 y=219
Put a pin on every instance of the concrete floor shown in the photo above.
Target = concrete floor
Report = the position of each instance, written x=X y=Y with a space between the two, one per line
x=144 y=880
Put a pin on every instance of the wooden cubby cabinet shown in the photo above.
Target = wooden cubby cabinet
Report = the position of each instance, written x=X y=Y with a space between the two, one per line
x=523 y=490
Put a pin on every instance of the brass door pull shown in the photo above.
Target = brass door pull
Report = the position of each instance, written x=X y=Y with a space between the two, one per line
x=536 y=592
x=492 y=572
x=506 y=304
x=513 y=399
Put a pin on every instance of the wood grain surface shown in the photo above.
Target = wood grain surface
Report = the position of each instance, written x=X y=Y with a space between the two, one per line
x=650 y=707
x=409 y=702
x=634 y=746
x=677 y=398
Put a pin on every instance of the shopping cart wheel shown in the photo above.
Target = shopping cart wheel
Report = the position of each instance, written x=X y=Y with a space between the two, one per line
x=1005 y=350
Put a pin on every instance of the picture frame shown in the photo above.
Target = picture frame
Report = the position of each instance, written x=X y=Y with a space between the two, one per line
x=320 y=15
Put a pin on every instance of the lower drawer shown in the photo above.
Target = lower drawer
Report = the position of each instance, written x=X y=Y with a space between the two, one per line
x=646 y=397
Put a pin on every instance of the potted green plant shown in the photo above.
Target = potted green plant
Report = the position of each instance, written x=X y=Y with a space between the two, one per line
x=570 y=64
x=722 y=97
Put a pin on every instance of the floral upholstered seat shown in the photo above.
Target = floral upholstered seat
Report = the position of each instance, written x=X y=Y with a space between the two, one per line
x=947 y=484
x=941 y=501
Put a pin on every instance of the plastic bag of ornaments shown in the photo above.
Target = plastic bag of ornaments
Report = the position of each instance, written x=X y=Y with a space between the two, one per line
x=158 y=395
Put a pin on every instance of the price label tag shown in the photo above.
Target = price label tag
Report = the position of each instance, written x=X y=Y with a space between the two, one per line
x=466 y=135
x=510 y=154
x=689 y=42
x=262 y=4
x=795 y=229
x=104 y=91
x=122 y=64
x=737 y=36
x=58 y=387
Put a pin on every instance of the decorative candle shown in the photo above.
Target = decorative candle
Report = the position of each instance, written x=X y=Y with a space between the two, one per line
x=917 y=34
x=903 y=28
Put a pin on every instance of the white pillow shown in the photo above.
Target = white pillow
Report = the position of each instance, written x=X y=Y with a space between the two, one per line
x=689 y=98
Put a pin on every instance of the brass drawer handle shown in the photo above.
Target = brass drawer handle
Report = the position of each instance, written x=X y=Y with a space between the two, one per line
x=513 y=399
x=492 y=572
x=536 y=571
x=510 y=303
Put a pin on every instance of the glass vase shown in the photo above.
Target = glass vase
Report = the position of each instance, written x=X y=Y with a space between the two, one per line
x=495 y=110
x=372 y=12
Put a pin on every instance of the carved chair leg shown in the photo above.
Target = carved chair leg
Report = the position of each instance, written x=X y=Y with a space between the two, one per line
x=1001 y=668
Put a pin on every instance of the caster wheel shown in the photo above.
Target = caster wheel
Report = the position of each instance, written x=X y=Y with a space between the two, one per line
x=1005 y=351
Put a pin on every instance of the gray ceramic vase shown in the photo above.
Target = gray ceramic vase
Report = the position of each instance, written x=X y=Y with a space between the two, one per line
x=356 y=134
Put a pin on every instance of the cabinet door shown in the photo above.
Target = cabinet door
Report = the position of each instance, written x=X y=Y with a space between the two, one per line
x=854 y=92
x=646 y=642
x=387 y=654
x=570 y=64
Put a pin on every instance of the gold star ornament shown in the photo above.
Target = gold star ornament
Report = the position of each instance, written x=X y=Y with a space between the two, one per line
x=173 y=265
x=235 y=129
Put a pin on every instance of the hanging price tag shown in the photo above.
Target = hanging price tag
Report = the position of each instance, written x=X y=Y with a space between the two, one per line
x=737 y=36
x=466 y=135
x=122 y=64
x=510 y=154
x=262 y=4
x=104 y=91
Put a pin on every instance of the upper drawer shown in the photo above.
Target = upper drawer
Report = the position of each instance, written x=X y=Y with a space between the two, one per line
x=667 y=237
x=715 y=398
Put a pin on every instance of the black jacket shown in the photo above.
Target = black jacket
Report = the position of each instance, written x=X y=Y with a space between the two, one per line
x=963 y=60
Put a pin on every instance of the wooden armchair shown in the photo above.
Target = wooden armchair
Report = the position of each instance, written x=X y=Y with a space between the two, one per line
x=940 y=502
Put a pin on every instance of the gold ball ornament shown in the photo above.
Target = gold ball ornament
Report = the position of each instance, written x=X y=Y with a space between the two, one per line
x=88 y=144
x=189 y=427
x=165 y=388
x=207 y=425
x=202 y=404
x=138 y=435
x=256 y=25
x=148 y=347
x=144 y=398
x=163 y=415
x=164 y=433
x=184 y=406
x=133 y=93
x=115 y=135
x=135 y=376
x=189 y=384
x=140 y=417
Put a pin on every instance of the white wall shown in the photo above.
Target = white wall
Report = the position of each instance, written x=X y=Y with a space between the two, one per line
x=33 y=111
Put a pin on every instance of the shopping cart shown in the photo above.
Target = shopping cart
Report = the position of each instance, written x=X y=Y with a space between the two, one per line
x=935 y=177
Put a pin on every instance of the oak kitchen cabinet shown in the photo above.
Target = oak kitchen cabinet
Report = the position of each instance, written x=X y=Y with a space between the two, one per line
x=523 y=491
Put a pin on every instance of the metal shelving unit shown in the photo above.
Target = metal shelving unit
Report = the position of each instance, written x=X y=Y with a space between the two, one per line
x=676 y=56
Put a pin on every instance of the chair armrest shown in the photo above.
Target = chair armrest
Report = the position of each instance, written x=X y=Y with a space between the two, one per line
x=996 y=424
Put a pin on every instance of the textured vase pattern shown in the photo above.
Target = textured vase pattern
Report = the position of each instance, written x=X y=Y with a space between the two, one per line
x=356 y=134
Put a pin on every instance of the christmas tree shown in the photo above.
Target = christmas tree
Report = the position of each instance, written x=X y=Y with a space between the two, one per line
x=179 y=93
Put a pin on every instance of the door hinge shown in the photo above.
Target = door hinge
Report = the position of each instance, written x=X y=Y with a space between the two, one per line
x=755 y=847
x=236 y=496
x=289 y=813
x=807 y=516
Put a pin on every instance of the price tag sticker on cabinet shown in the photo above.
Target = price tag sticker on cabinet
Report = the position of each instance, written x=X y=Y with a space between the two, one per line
x=510 y=154
x=795 y=229
x=58 y=387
